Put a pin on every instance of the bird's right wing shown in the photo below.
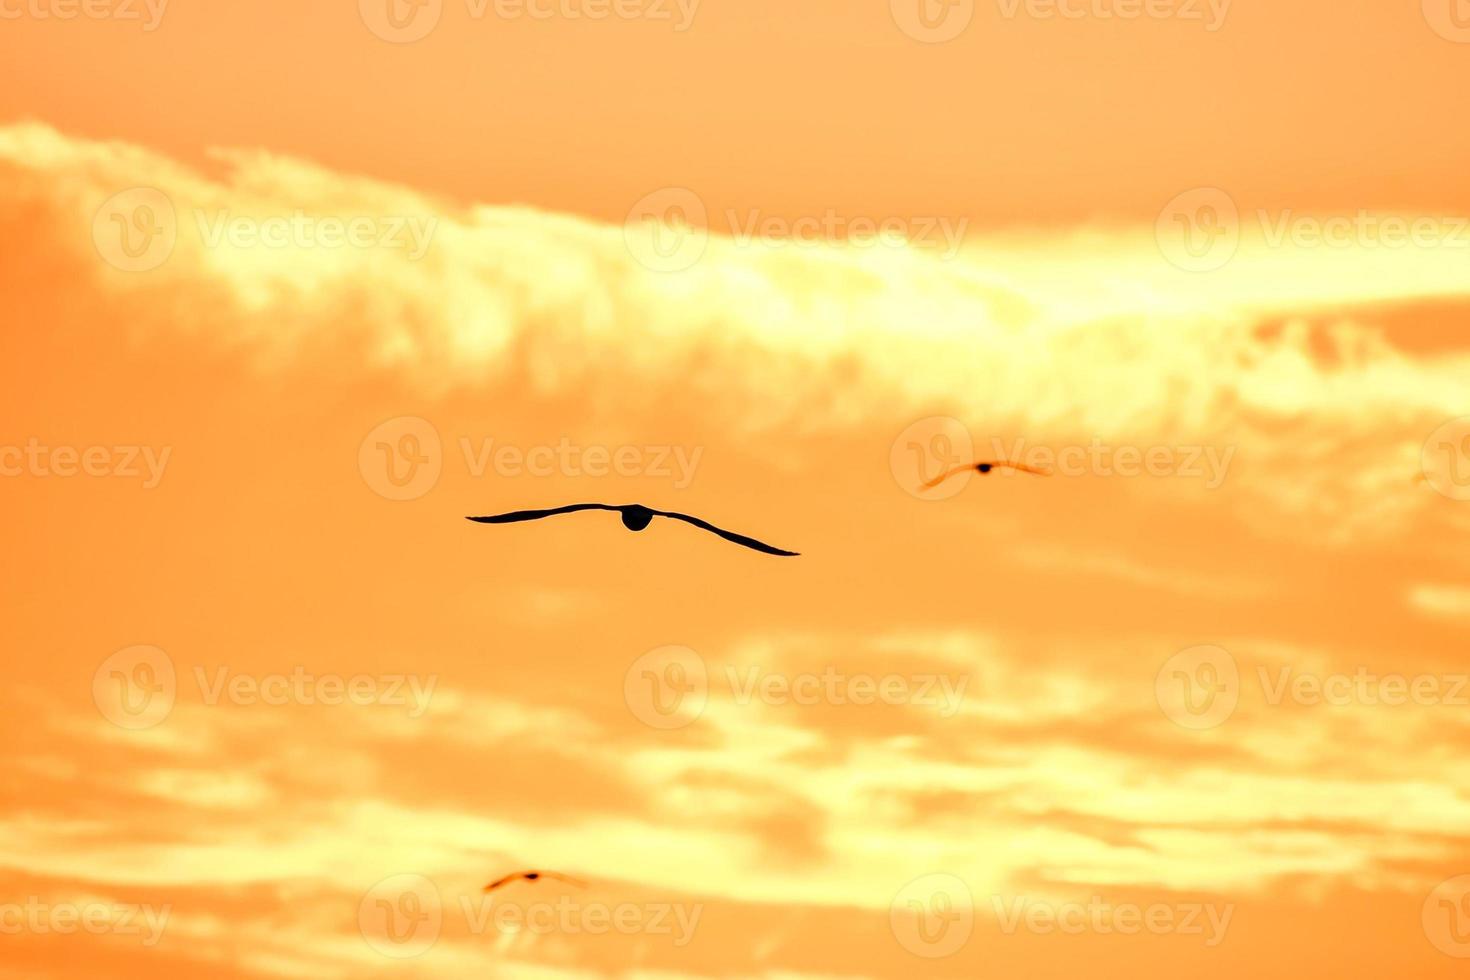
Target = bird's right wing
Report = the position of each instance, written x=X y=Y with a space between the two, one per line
x=729 y=535
x=535 y=515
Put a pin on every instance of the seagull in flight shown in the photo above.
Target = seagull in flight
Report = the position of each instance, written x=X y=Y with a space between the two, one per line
x=636 y=517
x=983 y=468
x=534 y=876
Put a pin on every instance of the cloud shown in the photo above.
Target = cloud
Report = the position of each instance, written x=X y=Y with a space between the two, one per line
x=1077 y=337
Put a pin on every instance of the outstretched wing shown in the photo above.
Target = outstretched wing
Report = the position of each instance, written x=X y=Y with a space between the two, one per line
x=567 y=878
x=945 y=476
x=535 y=515
x=502 y=881
x=739 y=539
x=1025 y=469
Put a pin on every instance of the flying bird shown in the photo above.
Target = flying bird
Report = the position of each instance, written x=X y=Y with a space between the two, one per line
x=534 y=876
x=636 y=517
x=985 y=467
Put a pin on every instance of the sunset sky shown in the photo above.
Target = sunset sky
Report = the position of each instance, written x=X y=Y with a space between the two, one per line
x=291 y=289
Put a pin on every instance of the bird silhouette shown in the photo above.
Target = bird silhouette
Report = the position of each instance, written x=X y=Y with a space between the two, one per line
x=985 y=467
x=534 y=876
x=636 y=517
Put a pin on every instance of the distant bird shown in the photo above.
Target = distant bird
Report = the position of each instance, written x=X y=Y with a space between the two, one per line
x=636 y=517
x=985 y=467
x=534 y=876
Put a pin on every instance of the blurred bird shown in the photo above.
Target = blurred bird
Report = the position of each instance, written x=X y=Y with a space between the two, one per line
x=986 y=467
x=636 y=517
x=534 y=876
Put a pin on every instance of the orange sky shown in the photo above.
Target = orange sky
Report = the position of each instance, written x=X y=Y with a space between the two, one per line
x=286 y=300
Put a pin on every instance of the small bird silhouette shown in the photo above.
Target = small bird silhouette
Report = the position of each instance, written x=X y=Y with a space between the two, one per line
x=985 y=467
x=534 y=876
x=636 y=517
